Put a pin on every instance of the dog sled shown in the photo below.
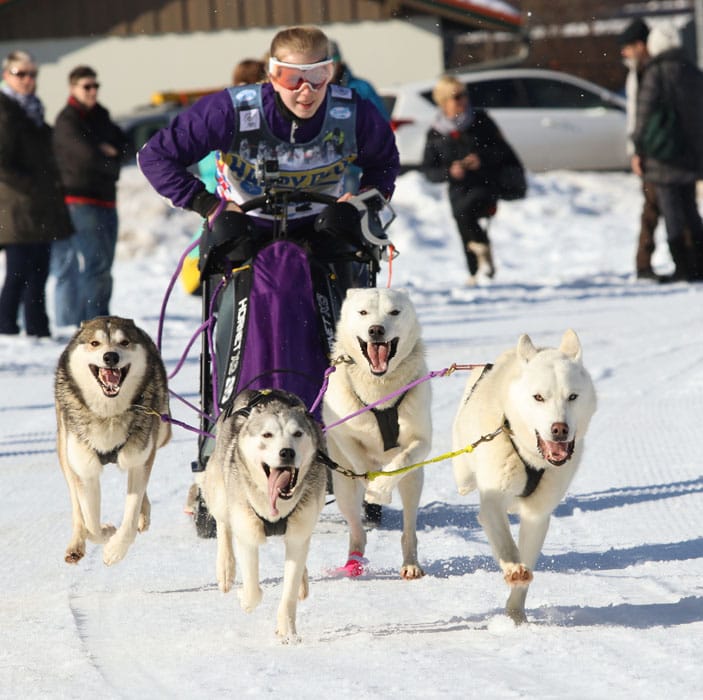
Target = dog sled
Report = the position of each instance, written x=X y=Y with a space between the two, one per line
x=271 y=300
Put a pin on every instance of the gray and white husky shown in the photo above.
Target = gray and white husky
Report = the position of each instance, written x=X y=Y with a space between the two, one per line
x=543 y=400
x=266 y=477
x=379 y=342
x=110 y=392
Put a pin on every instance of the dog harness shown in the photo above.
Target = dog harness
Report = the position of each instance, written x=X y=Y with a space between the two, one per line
x=534 y=475
x=387 y=419
x=279 y=527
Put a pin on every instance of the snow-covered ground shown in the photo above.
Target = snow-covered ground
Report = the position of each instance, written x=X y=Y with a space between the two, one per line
x=616 y=607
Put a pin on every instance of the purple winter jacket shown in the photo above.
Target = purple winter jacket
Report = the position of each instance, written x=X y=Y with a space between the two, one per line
x=210 y=125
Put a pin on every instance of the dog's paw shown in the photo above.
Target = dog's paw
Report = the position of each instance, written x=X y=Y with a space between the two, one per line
x=516 y=574
x=288 y=638
x=411 y=571
x=74 y=554
x=115 y=549
x=249 y=599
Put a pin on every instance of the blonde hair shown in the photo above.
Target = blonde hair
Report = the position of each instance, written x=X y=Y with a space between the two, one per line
x=447 y=86
x=304 y=39
x=16 y=57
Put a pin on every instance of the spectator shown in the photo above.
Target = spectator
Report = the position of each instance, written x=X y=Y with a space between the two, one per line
x=633 y=49
x=32 y=214
x=466 y=148
x=671 y=90
x=249 y=71
x=89 y=148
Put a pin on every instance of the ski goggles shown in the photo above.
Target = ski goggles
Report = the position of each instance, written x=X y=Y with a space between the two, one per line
x=292 y=76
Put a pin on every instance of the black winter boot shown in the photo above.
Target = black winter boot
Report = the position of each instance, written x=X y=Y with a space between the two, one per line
x=681 y=255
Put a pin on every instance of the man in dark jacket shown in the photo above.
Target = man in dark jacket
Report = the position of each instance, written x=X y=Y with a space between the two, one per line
x=32 y=212
x=633 y=49
x=88 y=147
x=671 y=80
x=466 y=148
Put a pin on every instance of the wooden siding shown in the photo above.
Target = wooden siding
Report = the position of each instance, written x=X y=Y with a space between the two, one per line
x=39 y=19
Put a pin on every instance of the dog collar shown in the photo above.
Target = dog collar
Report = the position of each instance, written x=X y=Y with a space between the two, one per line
x=272 y=529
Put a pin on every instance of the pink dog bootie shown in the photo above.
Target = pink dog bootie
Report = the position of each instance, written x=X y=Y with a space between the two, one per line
x=354 y=566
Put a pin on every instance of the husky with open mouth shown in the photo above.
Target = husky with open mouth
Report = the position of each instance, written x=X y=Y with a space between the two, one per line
x=540 y=403
x=266 y=476
x=380 y=353
x=110 y=393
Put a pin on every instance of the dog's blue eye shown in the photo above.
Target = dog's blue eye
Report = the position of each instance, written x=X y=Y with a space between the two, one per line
x=539 y=398
x=573 y=397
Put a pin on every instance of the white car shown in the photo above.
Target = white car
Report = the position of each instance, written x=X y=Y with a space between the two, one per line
x=553 y=120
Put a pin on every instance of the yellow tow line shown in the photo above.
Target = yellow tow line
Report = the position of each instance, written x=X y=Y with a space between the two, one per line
x=370 y=476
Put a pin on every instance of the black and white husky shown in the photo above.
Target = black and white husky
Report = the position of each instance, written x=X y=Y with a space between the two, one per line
x=266 y=477
x=110 y=393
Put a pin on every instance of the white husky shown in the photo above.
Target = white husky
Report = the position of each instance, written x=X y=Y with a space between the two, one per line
x=378 y=339
x=265 y=478
x=544 y=400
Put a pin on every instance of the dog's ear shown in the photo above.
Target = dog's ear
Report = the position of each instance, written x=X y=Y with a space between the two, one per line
x=571 y=345
x=525 y=349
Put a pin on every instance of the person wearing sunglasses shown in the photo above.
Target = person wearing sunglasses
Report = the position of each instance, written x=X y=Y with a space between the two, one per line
x=465 y=148
x=89 y=147
x=32 y=211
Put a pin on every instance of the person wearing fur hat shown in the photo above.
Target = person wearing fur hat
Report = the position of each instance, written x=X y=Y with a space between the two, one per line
x=633 y=49
x=671 y=83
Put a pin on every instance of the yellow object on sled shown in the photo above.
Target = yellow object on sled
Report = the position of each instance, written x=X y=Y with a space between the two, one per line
x=190 y=275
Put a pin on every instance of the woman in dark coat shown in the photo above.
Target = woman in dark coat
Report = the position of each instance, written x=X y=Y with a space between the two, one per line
x=32 y=212
x=465 y=148
x=670 y=78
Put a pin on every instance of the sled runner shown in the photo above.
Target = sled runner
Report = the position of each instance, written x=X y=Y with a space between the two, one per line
x=273 y=297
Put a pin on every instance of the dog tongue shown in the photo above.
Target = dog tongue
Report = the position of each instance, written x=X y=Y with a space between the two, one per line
x=110 y=377
x=378 y=356
x=278 y=480
x=556 y=451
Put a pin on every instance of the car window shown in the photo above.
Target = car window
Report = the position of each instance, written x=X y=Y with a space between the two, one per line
x=545 y=93
x=496 y=94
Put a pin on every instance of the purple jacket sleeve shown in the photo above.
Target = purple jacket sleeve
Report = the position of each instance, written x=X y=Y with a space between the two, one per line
x=165 y=158
x=378 y=154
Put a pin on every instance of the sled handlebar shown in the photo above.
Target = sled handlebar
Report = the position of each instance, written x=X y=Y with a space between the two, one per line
x=281 y=197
